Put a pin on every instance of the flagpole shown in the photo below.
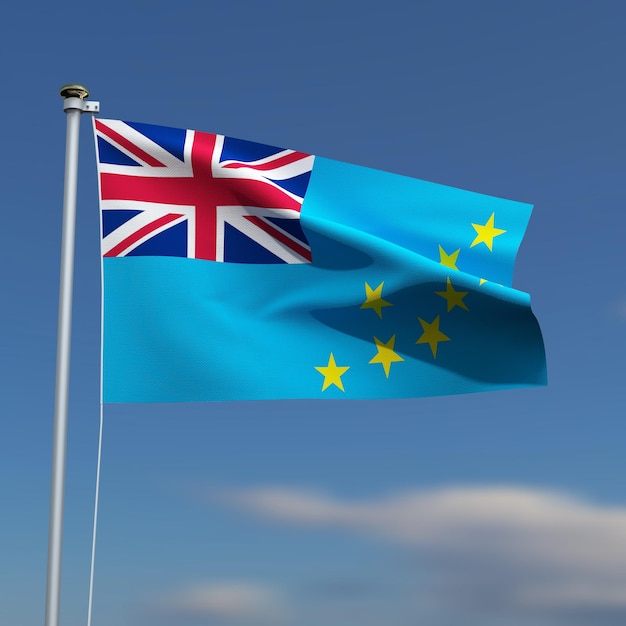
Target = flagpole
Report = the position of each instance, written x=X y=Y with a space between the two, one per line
x=74 y=105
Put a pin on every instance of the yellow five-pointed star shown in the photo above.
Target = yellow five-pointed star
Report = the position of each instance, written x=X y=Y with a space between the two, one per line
x=332 y=373
x=449 y=260
x=486 y=233
x=374 y=299
x=453 y=298
x=432 y=335
x=386 y=356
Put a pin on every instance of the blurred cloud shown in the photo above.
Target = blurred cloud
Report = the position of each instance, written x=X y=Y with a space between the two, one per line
x=229 y=603
x=507 y=549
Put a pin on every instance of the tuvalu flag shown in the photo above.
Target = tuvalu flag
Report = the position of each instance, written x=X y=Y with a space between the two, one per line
x=238 y=271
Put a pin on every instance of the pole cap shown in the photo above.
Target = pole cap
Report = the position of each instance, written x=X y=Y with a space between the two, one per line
x=74 y=90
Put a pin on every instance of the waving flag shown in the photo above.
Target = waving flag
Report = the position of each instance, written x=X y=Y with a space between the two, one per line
x=235 y=270
x=170 y=192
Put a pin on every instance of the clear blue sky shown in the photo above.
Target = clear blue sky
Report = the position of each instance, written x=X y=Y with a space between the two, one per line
x=502 y=508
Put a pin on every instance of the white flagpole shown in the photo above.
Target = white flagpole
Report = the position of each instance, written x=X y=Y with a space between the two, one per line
x=75 y=103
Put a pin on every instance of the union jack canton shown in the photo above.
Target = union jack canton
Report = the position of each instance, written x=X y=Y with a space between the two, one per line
x=173 y=192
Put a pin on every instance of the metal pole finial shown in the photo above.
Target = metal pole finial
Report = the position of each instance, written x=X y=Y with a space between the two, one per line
x=74 y=90
x=75 y=97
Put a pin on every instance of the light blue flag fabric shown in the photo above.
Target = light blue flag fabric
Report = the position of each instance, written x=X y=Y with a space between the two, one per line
x=408 y=294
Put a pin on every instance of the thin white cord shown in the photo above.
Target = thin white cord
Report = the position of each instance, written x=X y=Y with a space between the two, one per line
x=95 y=512
x=95 y=518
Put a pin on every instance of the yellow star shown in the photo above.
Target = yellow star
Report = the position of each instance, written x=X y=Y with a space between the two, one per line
x=332 y=373
x=432 y=335
x=486 y=233
x=386 y=356
x=374 y=299
x=482 y=281
x=449 y=260
x=453 y=298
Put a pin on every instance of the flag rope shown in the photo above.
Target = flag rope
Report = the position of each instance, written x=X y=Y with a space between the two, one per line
x=95 y=517
x=101 y=430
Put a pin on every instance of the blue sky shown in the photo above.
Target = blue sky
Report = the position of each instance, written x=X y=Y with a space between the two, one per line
x=501 y=508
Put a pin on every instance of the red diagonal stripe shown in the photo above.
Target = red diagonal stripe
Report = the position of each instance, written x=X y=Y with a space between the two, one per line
x=131 y=147
x=142 y=232
x=280 y=236
x=287 y=159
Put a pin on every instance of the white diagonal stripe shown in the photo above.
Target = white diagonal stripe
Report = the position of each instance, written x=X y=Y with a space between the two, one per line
x=174 y=167
x=149 y=213
x=235 y=216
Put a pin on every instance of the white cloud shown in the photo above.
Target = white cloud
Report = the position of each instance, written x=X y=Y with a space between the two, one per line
x=536 y=549
x=227 y=602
